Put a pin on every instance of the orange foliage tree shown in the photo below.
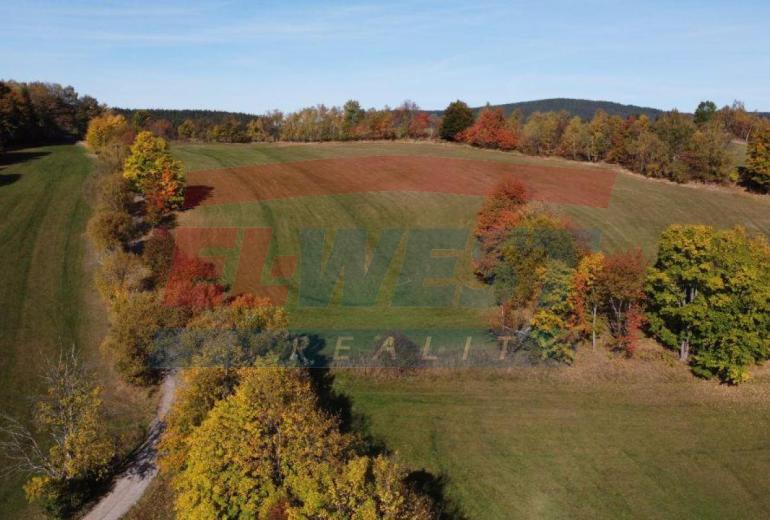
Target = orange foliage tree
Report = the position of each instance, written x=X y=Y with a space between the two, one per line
x=193 y=285
x=621 y=284
x=490 y=131
x=501 y=211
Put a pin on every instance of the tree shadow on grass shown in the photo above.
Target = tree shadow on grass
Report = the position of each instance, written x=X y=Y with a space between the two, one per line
x=360 y=425
x=10 y=178
x=434 y=486
x=13 y=158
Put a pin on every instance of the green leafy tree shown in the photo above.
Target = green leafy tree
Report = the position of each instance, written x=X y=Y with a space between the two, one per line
x=457 y=117
x=709 y=295
x=705 y=112
x=551 y=330
x=352 y=115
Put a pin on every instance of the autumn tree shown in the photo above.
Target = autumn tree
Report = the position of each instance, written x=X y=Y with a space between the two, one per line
x=137 y=319
x=156 y=175
x=200 y=389
x=272 y=430
x=188 y=130
x=758 y=158
x=298 y=462
x=105 y=129
x=542 y=132
x=36 y=113
x=620 y=288
x=706 y=155
x=457 y=117
x=110 y=230
x=551 y=330
x=421 y=126
x=709 y=297
x=502 y=209
x=675 y=130
x=120 y=274
x=738 y=121
x=648 y=154
x=158 y=255
x=536 y=242
x=576 y=140
x=587 y=296
x=193 y=286
x=489 y=131
x=70 y=449
x=362 y=487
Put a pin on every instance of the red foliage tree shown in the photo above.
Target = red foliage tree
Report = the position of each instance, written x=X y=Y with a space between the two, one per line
x=192 y=285
x=621 y=283
x=419 y=125
x=501 y=211
x=490 y=131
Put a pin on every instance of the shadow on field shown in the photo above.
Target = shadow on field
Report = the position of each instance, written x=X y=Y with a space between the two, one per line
x=12 y=158
x=194 y=195
x=341 y=406
x=9 y=178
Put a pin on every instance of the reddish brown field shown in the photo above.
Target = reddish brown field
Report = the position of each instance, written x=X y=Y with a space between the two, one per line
x=580 y=185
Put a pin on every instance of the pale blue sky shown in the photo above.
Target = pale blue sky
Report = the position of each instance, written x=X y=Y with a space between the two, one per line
x=253 y=56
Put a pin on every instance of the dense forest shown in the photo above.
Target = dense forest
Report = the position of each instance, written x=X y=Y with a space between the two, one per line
x=42 y=113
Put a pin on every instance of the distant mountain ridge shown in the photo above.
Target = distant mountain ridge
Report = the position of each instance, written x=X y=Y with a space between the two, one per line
x=585 y=108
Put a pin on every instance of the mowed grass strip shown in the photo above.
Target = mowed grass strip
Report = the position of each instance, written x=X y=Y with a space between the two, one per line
x=46 y=290
x=211 y=156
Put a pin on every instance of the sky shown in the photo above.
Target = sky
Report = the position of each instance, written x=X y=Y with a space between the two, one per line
x=253 y=56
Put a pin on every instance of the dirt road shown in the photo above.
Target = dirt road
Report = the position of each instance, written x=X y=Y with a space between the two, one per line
x=132 y=483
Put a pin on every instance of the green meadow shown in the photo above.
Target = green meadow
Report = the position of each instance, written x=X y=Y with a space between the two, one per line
x=47 y=297
x=606 y=438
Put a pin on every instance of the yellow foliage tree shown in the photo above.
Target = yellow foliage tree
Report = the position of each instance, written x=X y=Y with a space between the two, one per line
x=241 y=456
x=105 y=129
x=77 y=449
x=156 y=174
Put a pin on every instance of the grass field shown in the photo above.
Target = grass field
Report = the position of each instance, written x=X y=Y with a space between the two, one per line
x=608 y=438
x=578 y=443
x=638 y=210
x=46 y=293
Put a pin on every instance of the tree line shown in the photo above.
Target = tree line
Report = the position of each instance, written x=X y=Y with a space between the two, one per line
x=707 y=295
x=674 y=146
x=671 y=145
x=42 y=113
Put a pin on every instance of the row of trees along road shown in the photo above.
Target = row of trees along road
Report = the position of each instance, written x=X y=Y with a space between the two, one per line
x=302 y=463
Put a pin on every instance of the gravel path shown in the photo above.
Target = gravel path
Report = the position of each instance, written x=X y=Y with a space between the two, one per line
x=131 y=484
